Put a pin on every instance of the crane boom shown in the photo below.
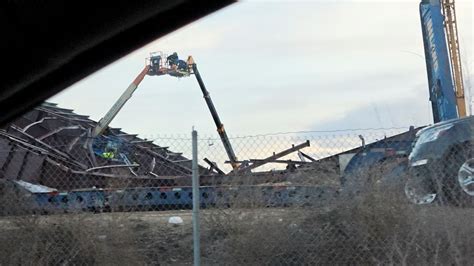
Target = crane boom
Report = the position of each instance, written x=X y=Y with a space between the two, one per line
x=450 y=24
x=220 y=127
x=441 y=89
x=126 y=95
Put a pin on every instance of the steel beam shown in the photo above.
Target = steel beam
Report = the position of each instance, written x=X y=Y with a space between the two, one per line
x=275 y=156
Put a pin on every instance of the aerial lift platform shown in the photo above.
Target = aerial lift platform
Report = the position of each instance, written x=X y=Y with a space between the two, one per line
x=159 y=64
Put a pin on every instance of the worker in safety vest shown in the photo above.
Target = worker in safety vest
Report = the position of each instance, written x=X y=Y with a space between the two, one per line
x=110 y=150
x=108 y=155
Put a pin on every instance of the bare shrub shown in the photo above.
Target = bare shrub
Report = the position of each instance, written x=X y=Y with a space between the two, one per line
x=13 y=200
x=367 y=230
x=66 y=239
x=161 y=243
x=324 y=173
x=45 y=243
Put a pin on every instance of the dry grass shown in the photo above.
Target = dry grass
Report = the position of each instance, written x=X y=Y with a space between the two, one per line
x=66 y=240
x=373 y=227
x=358 y=236
x=366 y=231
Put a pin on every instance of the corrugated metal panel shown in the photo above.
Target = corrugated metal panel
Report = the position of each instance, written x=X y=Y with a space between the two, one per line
x=59 y=155
x=15 y=165
x=32 y=167
x=5 y=149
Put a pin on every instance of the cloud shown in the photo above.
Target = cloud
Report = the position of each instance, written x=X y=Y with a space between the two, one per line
x=281 y=66
x=402 y=112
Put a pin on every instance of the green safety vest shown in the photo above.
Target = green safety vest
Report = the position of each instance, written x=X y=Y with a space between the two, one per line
x=108 y=155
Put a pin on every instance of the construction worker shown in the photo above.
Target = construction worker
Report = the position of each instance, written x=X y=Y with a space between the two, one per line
x=177 y=64
x=182 y=65
x=173 y=60
x=110 y=150
x=108 y=155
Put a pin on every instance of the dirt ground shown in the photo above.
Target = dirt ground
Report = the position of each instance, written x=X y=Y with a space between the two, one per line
x=376 y=234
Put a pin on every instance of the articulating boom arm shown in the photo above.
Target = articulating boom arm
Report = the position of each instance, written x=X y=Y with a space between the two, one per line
x=175 y=67
x=126 y=95
x=155 y=66
x=215 y=116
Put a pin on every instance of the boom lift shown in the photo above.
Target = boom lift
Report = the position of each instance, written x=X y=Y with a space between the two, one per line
x=110 y=147
x=157 y=66
x=438 y=21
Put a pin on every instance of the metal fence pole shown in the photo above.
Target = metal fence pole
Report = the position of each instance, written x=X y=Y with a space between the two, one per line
x=196 y=233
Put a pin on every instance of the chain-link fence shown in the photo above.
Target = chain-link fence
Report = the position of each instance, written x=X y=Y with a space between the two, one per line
x=379 y=196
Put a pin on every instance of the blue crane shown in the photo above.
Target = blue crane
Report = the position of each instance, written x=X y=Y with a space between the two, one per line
x=438 y=23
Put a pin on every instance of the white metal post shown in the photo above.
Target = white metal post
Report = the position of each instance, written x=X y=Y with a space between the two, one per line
x=196 y=194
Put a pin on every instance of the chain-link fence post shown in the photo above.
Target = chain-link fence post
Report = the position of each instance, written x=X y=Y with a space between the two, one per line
x=195 y=183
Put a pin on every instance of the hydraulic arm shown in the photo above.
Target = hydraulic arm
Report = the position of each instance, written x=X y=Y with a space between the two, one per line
x=155 y=66
x=126 y=95
x=220 y=127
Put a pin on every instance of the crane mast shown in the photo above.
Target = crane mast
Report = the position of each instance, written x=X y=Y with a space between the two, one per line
x=440 y=81
x=449 y=12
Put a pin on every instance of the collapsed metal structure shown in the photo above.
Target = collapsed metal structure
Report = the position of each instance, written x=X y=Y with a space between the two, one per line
x=52 y=146
x=50 y=153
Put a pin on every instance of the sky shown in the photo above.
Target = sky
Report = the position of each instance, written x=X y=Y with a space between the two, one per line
x=281 y=66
